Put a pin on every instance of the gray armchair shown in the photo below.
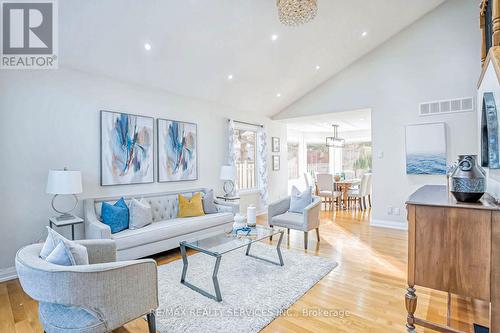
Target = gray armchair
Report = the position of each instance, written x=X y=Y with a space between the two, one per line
x=94 y=298
x=278 y=215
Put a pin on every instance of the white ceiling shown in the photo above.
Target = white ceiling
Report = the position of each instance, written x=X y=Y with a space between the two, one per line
x=358 y=120
x=196 y=44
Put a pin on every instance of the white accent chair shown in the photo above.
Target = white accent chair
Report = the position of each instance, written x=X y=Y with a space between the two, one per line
x=279 y=216
x=326 y=191
x=362 y=193
x=94 y=298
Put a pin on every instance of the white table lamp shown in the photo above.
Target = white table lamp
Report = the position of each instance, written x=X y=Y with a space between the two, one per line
x=228 y=174
x=64 y=182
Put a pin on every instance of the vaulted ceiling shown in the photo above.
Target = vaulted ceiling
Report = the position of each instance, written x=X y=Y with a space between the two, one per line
x=196 y=46
x=348 y=121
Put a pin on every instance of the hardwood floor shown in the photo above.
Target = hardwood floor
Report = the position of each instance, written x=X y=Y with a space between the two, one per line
x=365 y=293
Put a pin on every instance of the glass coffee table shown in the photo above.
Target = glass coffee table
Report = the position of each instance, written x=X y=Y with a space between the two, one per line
x=225 y=243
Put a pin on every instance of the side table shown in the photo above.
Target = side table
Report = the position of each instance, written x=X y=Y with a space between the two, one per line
x=62 y=223
x=230 y=199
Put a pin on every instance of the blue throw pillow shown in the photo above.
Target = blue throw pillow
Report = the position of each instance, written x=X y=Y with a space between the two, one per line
x=300 y=200
x=116 y=216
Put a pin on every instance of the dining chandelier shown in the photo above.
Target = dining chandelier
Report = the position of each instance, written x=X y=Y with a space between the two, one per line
x=335 y=141
x=296 y=12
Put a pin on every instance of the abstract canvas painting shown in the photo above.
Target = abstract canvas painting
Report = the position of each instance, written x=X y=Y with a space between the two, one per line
x=177 y=151
x=426 y=149
x=126 y=149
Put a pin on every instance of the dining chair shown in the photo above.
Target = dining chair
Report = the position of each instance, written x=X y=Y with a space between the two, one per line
x=359 y=195
x=325 y=185
x=369 y=188
x=309 y=180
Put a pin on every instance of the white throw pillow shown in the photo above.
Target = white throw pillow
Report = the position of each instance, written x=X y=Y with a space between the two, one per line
x=141 y=214
x=79 y=252
x=53 y=239
x=61 y=256
x=299 y=200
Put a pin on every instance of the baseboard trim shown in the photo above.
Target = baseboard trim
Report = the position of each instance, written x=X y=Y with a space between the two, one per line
x=7 y=274
x=389 y=224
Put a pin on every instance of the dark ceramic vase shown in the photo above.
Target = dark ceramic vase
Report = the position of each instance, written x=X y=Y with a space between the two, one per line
x=468 y=180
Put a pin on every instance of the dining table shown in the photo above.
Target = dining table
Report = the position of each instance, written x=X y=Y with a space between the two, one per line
x=344 y=186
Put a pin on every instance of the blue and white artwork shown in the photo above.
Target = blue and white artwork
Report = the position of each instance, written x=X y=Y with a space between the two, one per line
x=126 y=149
x=177 y=151
x=426 y=149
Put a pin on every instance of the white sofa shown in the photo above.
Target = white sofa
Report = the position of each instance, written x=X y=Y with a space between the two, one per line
x=165 y=232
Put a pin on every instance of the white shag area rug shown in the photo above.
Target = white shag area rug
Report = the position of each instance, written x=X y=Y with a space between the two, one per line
x=254 y=292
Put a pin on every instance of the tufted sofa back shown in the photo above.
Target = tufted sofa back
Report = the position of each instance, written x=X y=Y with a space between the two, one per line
x=165 y=206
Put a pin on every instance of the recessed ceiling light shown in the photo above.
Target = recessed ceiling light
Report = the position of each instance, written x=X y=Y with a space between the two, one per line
x=361 y=119
x=278 y=95
x=317 y=67
x=147 y=46
x=274 y=37
x=364 y=33
x=230 y=77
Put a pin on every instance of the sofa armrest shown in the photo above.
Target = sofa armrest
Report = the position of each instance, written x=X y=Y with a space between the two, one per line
x=94 y=229
x=311 y=214
x=277 y=208
x=224 y=206
x=99 y=250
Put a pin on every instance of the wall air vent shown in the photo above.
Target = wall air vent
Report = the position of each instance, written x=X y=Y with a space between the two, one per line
x=446 y=106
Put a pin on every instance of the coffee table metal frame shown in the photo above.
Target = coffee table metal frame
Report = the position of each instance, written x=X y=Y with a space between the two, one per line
x=218 y=258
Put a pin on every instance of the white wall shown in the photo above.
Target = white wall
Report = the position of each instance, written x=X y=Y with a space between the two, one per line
x=438 y=57
x=50 y=119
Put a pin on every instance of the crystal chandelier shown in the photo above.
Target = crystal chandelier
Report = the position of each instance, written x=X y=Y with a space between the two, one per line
x=335 y=141
x=296 y=12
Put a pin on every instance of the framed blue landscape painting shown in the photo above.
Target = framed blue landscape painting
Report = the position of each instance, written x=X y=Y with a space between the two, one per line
x=177 y=151
x=426 y=149
x=126 y=149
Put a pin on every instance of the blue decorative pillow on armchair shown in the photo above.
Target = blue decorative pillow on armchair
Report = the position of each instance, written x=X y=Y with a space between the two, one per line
x=116 y=216
x=300 y=200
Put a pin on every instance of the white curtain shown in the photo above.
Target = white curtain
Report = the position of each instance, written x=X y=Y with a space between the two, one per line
x=231 y=151
x=262 y=165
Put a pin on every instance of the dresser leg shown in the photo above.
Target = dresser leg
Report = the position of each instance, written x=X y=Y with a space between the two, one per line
x=411 y=306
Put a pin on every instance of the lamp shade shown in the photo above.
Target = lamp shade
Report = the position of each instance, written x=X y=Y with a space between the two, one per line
x=64 y=182
x=228 y=172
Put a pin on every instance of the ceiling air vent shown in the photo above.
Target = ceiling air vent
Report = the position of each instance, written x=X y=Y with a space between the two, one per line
x=446 y=106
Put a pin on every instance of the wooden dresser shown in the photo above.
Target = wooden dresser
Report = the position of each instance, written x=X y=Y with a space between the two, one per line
x=453 y=247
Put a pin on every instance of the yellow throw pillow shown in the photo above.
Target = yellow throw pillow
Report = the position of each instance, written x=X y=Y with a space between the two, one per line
x=190 y=207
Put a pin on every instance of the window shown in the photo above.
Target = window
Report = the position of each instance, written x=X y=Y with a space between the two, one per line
x=293 y=160
x=245 y=146
x=318 y=158
x=357 y=158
